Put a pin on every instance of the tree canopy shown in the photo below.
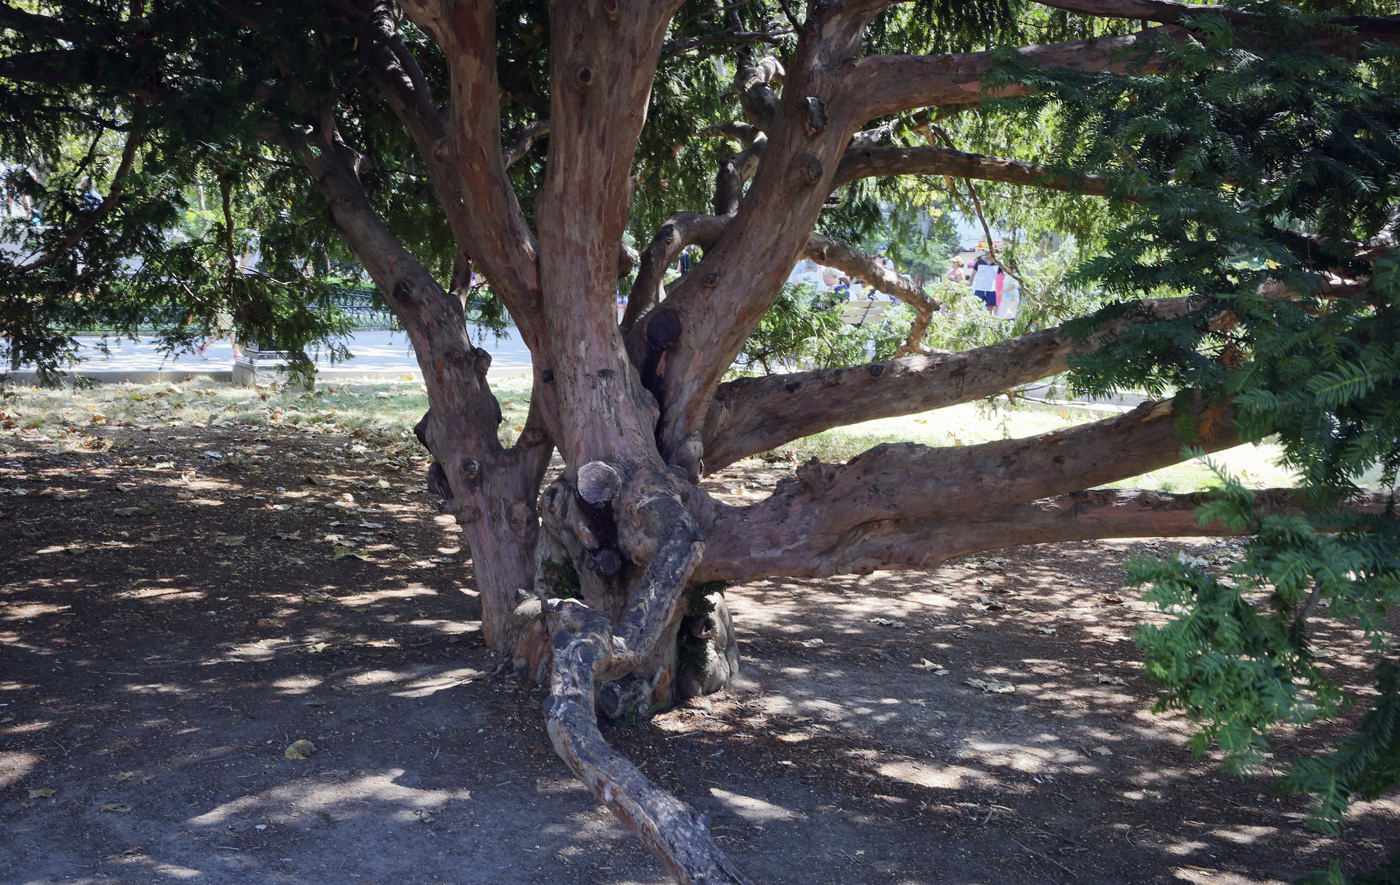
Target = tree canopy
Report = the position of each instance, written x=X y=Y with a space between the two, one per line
x=1226 y=176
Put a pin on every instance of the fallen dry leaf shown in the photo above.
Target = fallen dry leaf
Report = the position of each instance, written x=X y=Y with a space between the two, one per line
x=42 y=793
x=118 y=807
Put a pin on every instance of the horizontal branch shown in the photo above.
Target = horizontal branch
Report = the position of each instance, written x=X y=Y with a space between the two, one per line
x=1079 y=516
x=809 y=514
x=753 y=415
x=1373 y=27
x=897 y=83
x=872 y=162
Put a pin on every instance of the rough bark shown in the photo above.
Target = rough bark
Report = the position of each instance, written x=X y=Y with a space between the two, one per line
x=490 y=490
x=675 y=834
x=753 y=415
x=1078 y=516
x=817 y=522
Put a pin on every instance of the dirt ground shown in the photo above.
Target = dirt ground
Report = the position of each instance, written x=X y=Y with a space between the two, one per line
x=179 y=605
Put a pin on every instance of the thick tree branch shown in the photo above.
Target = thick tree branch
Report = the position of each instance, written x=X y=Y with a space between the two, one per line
x=809 y=516
x=462 y=150
x=675 y=834
x=734 y=172
x=872 y=162
x=602 y=61
x=752 y=82
x=1078 y=516
x=532 y=133
x=79 y=67
x=895 y=83
x=755 y=415
x=724 y=42
x=716 y=308
x=44 y=26
x=488 y=489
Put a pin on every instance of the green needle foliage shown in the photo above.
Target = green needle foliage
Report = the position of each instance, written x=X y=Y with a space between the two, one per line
x=1258 y=175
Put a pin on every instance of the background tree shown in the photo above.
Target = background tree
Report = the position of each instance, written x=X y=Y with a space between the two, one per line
x=1232 y=172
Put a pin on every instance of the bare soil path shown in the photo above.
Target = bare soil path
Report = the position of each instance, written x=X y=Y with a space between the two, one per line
x=178 y=606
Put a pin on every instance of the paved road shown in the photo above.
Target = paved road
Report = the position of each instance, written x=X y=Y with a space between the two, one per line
x=376 y=354
x=388 y=355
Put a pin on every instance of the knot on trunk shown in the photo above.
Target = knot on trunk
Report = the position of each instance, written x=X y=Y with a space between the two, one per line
x=664 y=329
x=598 y=483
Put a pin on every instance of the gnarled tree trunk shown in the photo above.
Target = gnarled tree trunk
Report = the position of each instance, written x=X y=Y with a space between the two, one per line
x=586 y=584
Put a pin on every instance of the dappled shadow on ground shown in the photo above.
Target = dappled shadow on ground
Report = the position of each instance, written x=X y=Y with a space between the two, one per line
x=171 y=621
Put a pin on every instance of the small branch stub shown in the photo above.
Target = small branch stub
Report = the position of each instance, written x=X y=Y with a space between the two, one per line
x=606 y=561
x=481 y=359
x=598 y=483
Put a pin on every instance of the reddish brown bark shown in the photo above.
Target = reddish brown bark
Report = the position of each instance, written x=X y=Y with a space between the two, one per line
x=753 y=415
x=815 y=523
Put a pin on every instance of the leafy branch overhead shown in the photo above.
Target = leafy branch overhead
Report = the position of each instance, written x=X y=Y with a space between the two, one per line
x=1203 y=200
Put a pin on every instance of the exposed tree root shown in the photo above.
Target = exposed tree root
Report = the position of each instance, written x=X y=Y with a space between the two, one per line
x=675 y=834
